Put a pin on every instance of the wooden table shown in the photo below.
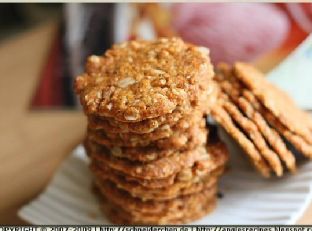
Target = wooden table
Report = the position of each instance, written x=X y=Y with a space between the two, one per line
x=33 y=143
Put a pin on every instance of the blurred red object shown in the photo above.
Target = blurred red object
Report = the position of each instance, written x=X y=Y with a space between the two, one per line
x=232 y=31
x=50 y=88
x=302 y=14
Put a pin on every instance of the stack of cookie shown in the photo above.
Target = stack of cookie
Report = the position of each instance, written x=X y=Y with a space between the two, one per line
x=146 y=103
x=262 y=119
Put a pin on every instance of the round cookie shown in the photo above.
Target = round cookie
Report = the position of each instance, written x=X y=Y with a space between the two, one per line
x=179 y=188
x=150 y=125
x=161 y=168
x=187 y=213
x=141 y=154
x=141 y=127
x=161 y=132
x=178 y=140
x=217 y=161
x=137 y=80
x=137 y=206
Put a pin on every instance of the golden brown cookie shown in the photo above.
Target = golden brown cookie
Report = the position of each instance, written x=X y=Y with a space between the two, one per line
x=223 y=118
x=211 y=155
x=165 y=131
x=252 y=132
x=150 y=125
x=161 y=168
x=275 y=100
x=137 y=206
x=272 y=137
x=234 y=90
x=179 y=188
x=187 y=213
x=141 y=127
x=296 y=140
x=142 y=154
x=179 y=140
x=219 y=157
x=137 y=80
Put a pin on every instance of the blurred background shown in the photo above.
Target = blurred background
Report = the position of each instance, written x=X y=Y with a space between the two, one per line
x=256 y=32
x=44 y=46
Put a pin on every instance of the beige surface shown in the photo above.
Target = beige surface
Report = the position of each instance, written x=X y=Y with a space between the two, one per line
x=33 y=143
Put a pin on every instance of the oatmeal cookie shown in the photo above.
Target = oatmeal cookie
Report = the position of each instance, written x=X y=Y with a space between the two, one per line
x=178 y=140
x=235 y=91
x=276 y=101
x=137 y=206
x=162 y=132
x=296 y=140
x=137 y=80
x=252 y=132
x=223 y=118
x=190 y=211
x=216 y=163
x=150 y=125
x=178 y=188
x=161 y=168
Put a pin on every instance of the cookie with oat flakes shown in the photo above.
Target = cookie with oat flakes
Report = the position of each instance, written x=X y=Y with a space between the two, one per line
x=140 y=154
x=142 y=127
x=179 y=211
x=150 y=125
x=253 y=133
x=296 y=140
x=234 y=89
x=160 y=168
x=137 y=80
x=162 y=132
x=138 y=206
x=180 y=139
x=270 y=134
x=275 y=100
x=195 y=173
x=178 y=188
x=224 y=119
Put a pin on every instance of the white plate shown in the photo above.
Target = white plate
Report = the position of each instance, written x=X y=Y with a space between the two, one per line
x=248 y=198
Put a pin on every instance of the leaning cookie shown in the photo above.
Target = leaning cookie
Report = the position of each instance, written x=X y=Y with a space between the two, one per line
x=225 y=120
x=248 y=104
x=253 y=133
x=296 y=140
x=234 y=90
x=275 y=101
x=272 y=136
x=272 y=111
